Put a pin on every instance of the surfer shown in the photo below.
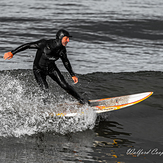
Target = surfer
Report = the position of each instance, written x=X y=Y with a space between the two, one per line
x=48 y=51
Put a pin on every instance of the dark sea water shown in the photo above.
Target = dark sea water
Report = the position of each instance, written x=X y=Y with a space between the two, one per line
x=116 y=50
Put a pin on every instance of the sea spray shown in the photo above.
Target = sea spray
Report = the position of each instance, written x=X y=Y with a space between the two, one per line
x=23 y=111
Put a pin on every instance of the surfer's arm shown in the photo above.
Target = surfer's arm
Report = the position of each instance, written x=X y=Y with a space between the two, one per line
x=67 y=65
x=32 y=45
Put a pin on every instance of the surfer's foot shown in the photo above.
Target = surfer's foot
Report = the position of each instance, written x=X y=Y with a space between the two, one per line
x=84 y=101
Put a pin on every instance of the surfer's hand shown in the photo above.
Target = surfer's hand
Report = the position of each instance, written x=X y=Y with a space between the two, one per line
x=8 y=55
x=75 y=79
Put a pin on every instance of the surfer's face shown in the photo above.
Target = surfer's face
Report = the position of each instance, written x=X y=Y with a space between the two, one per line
x=65 y=40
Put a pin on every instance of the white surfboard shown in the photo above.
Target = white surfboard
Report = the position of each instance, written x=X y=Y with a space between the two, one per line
x=107 y=104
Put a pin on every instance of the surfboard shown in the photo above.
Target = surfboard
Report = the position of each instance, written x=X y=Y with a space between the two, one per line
x=106 y=104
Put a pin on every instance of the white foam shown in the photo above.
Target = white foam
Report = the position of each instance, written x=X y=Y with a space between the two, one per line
x=24 y=113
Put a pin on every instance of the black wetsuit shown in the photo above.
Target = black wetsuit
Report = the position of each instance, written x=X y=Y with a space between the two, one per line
x=48 y=51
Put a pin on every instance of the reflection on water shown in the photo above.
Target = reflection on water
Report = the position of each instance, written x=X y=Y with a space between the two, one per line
x=47 y=148
x=111 y=141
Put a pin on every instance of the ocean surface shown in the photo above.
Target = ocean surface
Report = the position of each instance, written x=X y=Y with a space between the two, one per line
x=116 y=49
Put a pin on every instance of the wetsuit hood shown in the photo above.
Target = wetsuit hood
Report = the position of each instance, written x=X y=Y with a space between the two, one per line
x=61 y=33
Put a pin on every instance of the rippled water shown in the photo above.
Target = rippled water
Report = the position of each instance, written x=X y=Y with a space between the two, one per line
x=112 y=36
x=112 y=40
